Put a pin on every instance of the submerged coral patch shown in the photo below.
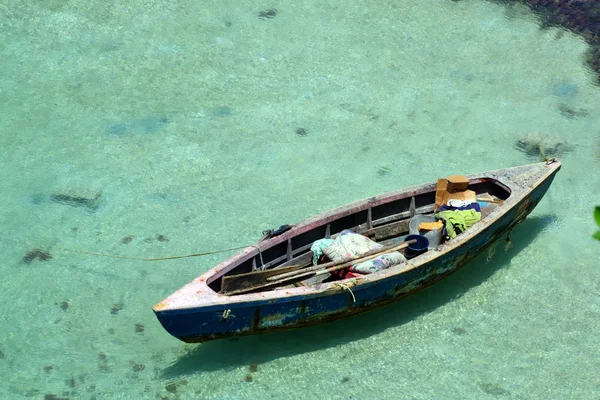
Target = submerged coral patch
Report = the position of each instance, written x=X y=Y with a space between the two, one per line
x=578 y=16
x=36 y=254
x=127 y=239
x=172 y=387
x=459 y=331
x=161 y=238
x=572 y=113
x=384 y=171
x=116 y=308
x=268 y=14
x=78 y=197
x=493 y=389
x=137 y=367
x=542 y=146
x=64 y=305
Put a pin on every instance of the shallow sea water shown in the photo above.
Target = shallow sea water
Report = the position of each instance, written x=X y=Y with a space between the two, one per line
x=179 y=121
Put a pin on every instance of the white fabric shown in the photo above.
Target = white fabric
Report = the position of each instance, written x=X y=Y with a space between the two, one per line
x=459 y=203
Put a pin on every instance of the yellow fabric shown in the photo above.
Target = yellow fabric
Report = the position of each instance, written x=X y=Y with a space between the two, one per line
x=430 y=226
x=458 y=221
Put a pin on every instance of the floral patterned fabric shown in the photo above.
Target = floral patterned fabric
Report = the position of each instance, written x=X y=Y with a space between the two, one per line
x=349 y=244
x=379 y=263
x=317 y=248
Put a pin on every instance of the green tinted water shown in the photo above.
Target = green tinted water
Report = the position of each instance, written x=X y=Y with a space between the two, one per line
x=178 y=122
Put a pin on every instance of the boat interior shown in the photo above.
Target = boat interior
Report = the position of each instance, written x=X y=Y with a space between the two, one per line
x=386 y=223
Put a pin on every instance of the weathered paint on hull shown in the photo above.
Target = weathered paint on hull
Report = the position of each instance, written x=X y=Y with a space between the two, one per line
x=208 y=323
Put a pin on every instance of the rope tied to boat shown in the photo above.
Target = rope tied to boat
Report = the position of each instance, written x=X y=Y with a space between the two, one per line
x=262 y=264
x=93 y=253
x=155 y=258
x=345 y=286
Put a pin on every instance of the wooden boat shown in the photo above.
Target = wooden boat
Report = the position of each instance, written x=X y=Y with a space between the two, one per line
x=201 y=311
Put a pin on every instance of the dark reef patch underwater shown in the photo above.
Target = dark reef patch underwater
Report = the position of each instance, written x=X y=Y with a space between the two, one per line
x=579 y=16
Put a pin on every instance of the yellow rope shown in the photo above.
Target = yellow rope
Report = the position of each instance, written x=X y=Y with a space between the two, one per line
x=152 y=259
x=344 y=286
x=27 y=243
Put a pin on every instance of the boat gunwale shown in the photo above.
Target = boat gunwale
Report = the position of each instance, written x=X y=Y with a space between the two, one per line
x=331 y=216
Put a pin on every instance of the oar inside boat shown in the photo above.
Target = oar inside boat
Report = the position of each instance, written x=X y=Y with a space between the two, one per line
x=257 y=278
x=280 y=275
x=253 y=279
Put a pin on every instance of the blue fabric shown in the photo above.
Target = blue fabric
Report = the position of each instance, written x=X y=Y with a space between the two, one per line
x=473 y=206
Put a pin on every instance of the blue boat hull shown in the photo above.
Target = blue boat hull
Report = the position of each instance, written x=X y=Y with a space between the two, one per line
x=261 y=316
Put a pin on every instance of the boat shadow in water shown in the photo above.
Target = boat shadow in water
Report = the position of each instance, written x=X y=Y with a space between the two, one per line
x=258 y=349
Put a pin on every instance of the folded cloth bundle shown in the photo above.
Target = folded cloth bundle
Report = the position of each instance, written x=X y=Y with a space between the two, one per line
x=458 y=221
x=350 y=244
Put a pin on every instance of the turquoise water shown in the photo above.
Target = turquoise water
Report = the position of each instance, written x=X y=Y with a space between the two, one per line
x=176 y=125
